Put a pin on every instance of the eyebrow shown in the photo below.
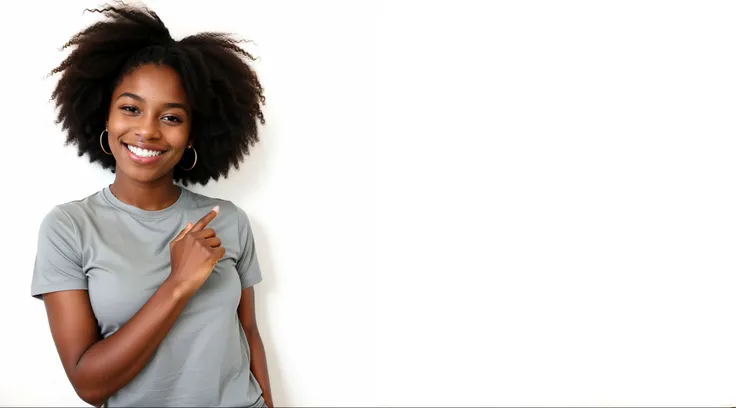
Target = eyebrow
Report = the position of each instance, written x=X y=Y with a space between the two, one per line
x=141 y=99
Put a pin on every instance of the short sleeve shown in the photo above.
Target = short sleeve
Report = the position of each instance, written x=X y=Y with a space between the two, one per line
x=247 y=264
x=58 y=263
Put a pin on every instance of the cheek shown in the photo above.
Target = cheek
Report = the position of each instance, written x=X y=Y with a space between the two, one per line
x=177 y=136
x=117 y=124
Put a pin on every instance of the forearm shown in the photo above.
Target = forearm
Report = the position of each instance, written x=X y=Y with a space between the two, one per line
x=258 y=364
x=110 y=364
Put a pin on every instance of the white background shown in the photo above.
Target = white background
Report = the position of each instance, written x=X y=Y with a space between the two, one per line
x=459 y=203
x=556 y=203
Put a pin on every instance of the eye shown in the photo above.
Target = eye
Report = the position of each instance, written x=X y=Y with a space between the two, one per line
x=129 y=108
x=174 y=119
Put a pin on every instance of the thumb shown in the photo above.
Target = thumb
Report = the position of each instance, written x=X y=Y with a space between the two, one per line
x=183 y=232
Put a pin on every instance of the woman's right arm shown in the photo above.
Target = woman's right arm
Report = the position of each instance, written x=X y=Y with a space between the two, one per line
x=98 y=368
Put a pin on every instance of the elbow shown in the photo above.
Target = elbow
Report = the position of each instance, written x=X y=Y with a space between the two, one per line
x=91 y=397
x=87 y=388
x=88 y=393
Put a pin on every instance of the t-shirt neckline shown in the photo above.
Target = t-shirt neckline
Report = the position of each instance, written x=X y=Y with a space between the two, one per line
x=138 y=212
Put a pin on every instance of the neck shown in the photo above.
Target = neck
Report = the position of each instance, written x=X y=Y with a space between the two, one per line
x=149 y=196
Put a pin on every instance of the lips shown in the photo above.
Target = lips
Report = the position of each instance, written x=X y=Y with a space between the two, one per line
x=144 y=152
x=144 y=156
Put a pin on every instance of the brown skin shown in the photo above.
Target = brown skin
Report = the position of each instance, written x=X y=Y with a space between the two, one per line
x=148 y=108
x=247 y=315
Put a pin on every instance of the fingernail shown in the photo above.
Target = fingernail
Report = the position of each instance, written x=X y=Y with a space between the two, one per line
x=216 y=209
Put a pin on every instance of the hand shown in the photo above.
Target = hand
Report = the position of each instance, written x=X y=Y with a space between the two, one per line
x=194 y=253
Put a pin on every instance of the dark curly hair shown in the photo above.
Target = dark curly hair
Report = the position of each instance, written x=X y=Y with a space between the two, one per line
x=224 y=91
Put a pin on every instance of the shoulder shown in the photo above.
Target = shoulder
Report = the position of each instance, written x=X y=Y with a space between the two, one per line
x=70 y=214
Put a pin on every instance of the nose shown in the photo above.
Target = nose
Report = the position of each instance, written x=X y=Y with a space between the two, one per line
x=148 y=128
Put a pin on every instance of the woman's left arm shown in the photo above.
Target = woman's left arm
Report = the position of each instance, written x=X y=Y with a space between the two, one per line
x=247 y=315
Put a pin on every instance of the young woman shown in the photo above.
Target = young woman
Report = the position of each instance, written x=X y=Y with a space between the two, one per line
x=148 y=286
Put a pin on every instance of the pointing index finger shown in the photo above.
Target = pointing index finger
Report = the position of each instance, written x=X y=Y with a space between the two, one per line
x=199 y=226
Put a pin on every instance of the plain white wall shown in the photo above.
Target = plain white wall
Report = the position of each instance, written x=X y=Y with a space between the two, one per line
x=304 y=187
x=556 y=201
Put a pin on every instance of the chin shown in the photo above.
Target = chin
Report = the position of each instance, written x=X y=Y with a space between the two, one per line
x=142 y=175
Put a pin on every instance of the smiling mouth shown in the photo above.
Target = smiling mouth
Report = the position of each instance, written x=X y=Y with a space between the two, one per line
x=144 y=153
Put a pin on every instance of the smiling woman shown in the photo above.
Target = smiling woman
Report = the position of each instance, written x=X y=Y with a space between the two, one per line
x=149 y=101
x=148 y=286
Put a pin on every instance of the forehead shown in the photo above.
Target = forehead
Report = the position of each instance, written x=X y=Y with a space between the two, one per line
x=154 y=83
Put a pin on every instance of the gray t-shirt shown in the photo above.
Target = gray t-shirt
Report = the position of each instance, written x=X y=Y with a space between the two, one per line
x=120 y=255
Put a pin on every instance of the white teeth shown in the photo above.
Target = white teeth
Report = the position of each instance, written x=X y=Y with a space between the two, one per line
x=143 y=152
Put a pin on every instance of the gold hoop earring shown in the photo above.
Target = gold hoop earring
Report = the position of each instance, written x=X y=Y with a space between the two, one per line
x=195 y=159
x=101 y=146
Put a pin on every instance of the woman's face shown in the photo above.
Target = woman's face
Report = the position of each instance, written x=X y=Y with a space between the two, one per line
x=149 y=121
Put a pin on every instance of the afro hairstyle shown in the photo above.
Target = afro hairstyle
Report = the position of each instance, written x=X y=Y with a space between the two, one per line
x=223 y=90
